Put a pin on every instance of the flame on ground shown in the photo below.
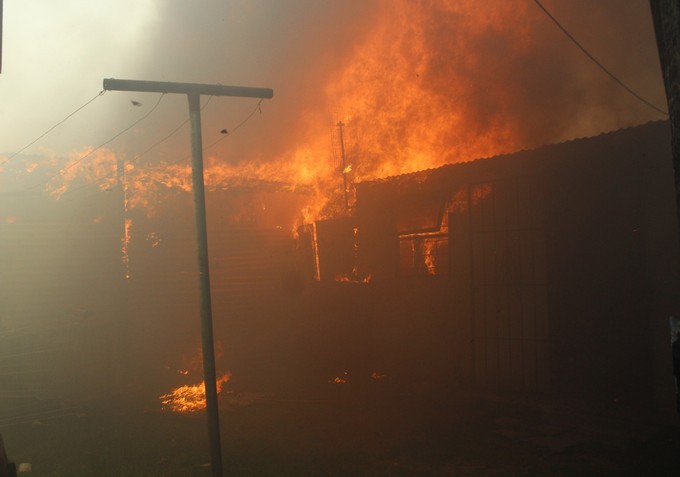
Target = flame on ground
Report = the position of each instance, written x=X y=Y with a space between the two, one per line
x=125 y=245
x=342 y=379
x=190 y=398
x=352 y=279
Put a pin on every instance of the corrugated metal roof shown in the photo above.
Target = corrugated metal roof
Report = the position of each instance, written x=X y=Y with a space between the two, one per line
x=426 y=172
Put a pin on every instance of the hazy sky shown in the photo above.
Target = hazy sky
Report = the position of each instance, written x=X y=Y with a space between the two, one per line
x=501 y=69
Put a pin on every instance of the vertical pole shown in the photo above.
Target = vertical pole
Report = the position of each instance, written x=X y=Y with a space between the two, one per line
x=0 y=36
x=344 y=166
x=209 y=375
x=471 y=265
x=666 y=18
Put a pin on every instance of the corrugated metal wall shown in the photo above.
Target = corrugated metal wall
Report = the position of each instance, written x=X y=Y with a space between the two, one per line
x=509 y=285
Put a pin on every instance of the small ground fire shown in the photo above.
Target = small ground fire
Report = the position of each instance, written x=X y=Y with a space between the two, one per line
x=190 y=398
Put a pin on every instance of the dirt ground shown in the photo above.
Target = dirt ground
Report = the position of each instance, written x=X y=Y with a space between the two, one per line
x=341 y=431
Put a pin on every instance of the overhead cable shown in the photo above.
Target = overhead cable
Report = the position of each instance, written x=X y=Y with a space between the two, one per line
x=101 y=93
x=69 y=166
x=231 y=131
x=226 y=134
x=169 y=135
x=89 y=153
x=600 y=65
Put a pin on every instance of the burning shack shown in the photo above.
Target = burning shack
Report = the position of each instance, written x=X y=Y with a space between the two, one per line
x=552 y=269
x=546 y=270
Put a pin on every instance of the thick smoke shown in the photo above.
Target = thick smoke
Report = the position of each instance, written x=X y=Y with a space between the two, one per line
x=417 y=83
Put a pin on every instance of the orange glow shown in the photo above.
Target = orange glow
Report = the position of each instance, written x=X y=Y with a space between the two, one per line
x=354 y=276
x=190 y=398
x=406 y=94
x=480 y=192
x=315 y=250
x=429 y=257
x=342 y=379
x=375 y=376
x=125 y=244
x=98 y=167
x=349 y=279
x=153 y=239
x=456 y=204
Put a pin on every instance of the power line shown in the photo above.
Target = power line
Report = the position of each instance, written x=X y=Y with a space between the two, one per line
x=233 y=130
x=101 y=93
x=172 y=133
x=81 y=158
x=146 y=151
x=227 y=132
x=110 y=140
x=102 y=179
x=161 y=141
x=594 y=60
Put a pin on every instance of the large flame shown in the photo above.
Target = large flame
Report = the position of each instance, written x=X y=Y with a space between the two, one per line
x=412 y=94
x=420 y=85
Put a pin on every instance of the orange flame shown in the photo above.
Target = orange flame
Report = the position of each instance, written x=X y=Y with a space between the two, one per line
x=125 y=244
x=350 y=279
x=97 y=167
x=429 y=257
x=342 y=379
x=408 y=97
x=190 y=398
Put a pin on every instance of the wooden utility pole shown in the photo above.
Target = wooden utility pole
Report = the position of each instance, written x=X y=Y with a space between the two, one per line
x=344 y=165
x=0 y=36
x=666 y=17
x=194 y=92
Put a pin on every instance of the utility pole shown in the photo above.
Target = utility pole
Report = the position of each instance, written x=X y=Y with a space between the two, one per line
x=344 y=165
x=666 y=17
x=0 y=36
x=194 y=92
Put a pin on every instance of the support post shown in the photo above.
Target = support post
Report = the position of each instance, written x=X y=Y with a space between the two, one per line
x=194 y=92
x=0 y=36
x=666 y=18
x=207 y=341
x=344 y=165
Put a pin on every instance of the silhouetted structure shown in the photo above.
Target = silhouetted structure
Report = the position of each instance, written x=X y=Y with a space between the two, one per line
x=552 y=269
x=666 y=17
